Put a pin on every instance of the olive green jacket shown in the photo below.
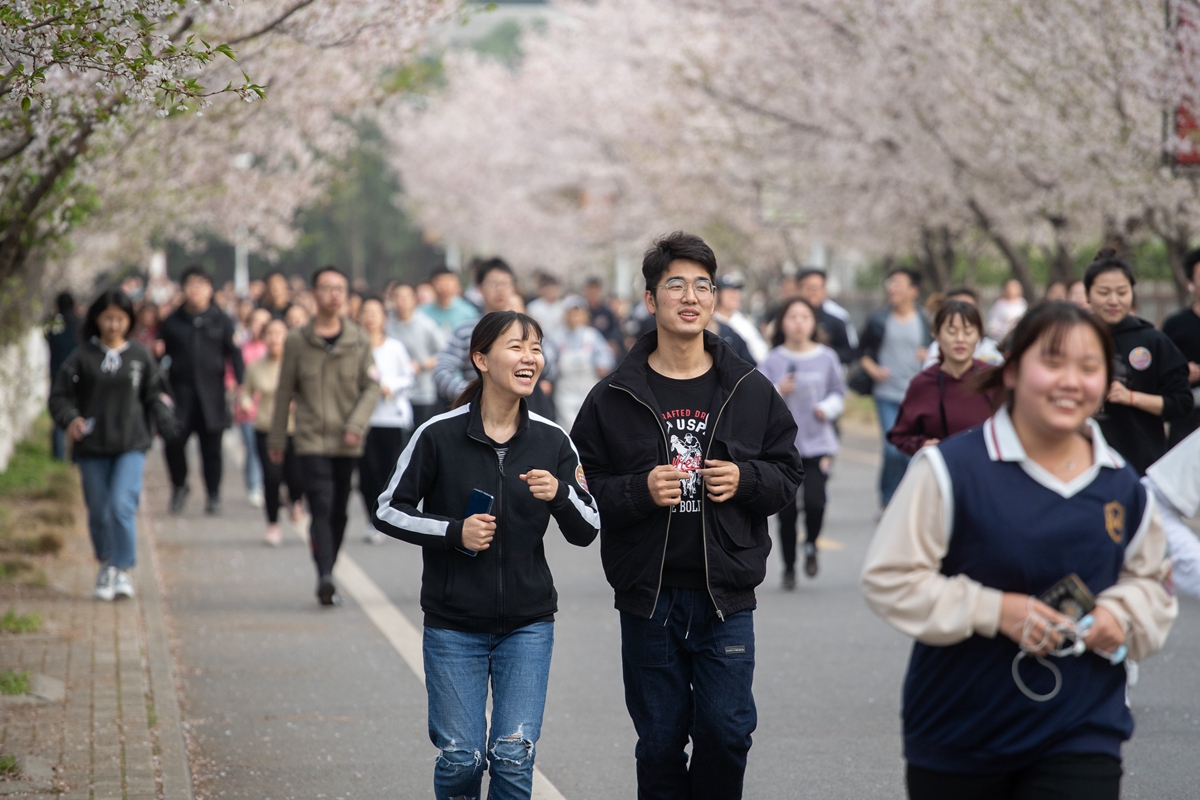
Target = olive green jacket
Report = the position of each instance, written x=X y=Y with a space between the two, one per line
x=333 y=390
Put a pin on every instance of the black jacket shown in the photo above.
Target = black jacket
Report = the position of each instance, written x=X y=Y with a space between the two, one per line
x=1150 y=363
x=121 y=402
x=508 y=585
x=621 y=439
x=198 y=346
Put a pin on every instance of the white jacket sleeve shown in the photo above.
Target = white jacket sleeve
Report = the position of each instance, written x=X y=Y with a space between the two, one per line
x=1140 y=599
x=901 y=580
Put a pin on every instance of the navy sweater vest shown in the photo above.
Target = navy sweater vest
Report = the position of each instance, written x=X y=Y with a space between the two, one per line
x=962 y=711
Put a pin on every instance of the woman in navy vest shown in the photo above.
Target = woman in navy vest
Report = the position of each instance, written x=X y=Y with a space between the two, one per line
x=984 y=524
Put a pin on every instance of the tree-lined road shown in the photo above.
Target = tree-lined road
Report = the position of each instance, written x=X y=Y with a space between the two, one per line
x=284 y=699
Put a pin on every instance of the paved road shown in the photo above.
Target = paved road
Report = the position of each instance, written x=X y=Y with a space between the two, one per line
x=286 y=700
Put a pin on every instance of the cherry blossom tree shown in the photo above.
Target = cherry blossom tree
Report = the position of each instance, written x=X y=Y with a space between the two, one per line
x=114 y=130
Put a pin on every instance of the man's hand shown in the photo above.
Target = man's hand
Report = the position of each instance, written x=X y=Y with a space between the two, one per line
x=1193 y=372
x=352 y=439
x=664 y=485
x=76 y=429
x=1106 y=634
x=276 y=456
x=542 y=484
x=878 y=374
x=386 y=391
x=1015 y=608
x=720 y=479
x=478 y=532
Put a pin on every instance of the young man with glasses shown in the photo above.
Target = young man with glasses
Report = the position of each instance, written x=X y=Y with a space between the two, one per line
x=687 y=450
x=327 y=368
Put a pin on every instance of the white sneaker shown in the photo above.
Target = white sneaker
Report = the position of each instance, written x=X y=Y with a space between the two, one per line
x=122 y=584
x=374 y=537
x=104 y=583
x=255 y=498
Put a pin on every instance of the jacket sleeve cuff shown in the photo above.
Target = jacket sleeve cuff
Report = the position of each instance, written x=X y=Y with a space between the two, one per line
x=454 y=535
x=747 y=481
x=639 y=494
x=560 y=497
x=985 y=618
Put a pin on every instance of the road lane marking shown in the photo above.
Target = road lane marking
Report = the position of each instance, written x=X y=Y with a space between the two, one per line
x=404 y=637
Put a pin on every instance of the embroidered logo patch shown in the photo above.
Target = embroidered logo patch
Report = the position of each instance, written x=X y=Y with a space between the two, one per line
x=1114 y=521
x=1140 y=358
x=582 y=481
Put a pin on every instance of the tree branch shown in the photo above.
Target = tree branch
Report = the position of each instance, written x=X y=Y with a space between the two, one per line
x=270 y=26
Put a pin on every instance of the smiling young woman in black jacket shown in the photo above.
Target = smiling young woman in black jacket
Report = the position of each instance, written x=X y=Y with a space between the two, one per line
x=1150 y=382
x=486 y=589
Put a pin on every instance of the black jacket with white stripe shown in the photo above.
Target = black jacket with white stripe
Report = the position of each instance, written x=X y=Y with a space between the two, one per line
x=507 y=586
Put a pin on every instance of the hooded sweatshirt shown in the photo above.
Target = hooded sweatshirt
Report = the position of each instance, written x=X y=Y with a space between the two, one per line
x=1150 y=363
x=116 y=392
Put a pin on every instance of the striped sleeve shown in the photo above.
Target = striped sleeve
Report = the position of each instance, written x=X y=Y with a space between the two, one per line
x=396 y=512
x=574 y=508
x=448 y=373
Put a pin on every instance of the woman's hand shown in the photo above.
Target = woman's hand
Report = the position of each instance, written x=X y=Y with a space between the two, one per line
x=542 y=484
x=1120 y=394
x=1016 y=608
x=76 y=429
x=386 y=391
x=478 y=532
x=931 y=443
x=1106 y=634
x=787 y=385
x=819 y=414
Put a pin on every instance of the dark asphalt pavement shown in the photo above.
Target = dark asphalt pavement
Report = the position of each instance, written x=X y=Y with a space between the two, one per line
x=287 y=700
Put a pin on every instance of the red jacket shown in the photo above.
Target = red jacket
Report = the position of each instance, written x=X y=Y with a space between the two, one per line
x=938 y=405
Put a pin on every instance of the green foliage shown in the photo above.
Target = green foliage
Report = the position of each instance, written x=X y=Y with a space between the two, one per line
x=8 y=765
x=502 y=42
x=20 y=623
x=32 y=470
x=13 y=682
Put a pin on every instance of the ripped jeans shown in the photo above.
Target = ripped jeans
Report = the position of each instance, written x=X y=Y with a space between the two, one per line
x=458 y=667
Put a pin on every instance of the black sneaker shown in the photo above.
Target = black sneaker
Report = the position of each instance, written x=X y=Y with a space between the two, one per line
x=179 y=497
x=789 y=578
x=327 y=592
x=810 y=559
x=212 y=506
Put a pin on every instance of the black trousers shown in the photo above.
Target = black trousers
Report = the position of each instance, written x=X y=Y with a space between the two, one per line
x=210 y=452
x=276 y=475
x=814 y=511
x=327 y=486
x=381 y=451
x=1070 y=776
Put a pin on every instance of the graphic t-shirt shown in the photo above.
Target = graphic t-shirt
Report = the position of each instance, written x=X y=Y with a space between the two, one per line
x=685 y=406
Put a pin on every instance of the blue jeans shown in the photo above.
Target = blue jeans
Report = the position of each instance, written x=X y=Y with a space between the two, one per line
x=687 y=673
x=253 y=467
x=458 y=667
x=112 y=487
x=894 y=462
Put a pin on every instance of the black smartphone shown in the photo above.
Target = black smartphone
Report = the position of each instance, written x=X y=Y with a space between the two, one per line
x=791 y=368
x=480 y=503
x=1071 y=597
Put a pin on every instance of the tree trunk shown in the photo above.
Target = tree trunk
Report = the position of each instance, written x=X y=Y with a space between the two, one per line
x=1017 y=262
x=937 y=257
x=1177 y=250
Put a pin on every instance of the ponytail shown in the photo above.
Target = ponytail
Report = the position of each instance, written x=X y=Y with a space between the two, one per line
x=468 y=394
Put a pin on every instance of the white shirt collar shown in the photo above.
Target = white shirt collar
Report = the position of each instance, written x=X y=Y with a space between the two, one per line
x=1003 y=444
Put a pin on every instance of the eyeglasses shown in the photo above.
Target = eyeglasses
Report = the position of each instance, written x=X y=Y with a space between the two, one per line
x=677 y=288
x=330 y=289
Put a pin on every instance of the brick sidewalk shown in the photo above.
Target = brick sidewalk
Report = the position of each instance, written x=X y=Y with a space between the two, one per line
x=102 y=721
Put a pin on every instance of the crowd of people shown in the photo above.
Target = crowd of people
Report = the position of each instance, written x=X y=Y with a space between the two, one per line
x=473 y=416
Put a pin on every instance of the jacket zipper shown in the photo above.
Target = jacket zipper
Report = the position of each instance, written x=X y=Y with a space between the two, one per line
x=499 y=549
x=703 y=525
x=667 y=448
